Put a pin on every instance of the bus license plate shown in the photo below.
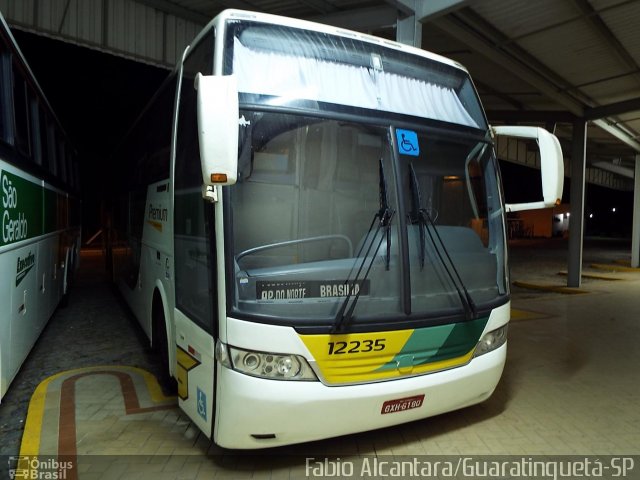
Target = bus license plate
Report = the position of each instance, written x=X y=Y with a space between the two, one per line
x=402 y=404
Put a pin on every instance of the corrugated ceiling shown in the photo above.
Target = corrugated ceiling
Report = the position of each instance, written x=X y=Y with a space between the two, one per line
x=544 y=61
x=581 y=51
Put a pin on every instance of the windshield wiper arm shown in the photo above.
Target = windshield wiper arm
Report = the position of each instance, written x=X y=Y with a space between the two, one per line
x=415 y=216
x=383 y=217
x=425 y=221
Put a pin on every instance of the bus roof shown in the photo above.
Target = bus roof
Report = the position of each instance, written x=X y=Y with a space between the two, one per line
x=233 y=14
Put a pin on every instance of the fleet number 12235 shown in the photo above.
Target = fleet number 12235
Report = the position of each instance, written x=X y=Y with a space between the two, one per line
x=357 y=346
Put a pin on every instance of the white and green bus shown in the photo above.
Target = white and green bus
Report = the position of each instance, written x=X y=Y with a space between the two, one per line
x=39 y=210
x=314 y=232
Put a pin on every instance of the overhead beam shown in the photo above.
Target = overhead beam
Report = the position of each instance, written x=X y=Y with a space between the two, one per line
x=518 y=65
x=321 y=5
x=173 y=9
x=425 y=10
x=531 y=116
x=239 y=4
x=617 y=132
x=431 y=9
x=485 y=89
x=617 y=108
x=617 y=169
x=363 y=20
x=407 y=8
x=609 y=151
x=494 y=45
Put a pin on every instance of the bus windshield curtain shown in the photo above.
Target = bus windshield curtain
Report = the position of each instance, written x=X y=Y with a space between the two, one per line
x=290 y=78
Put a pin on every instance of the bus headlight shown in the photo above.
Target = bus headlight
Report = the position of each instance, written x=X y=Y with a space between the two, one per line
x=492 y=340
x=275 y=366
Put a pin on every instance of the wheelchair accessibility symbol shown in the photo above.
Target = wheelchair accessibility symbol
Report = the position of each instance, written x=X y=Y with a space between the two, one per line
x=202 y=403
x=407 y=142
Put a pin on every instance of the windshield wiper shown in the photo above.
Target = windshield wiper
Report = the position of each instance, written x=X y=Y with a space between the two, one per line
x=416 y=216
x=383 y=218
x=426 y=223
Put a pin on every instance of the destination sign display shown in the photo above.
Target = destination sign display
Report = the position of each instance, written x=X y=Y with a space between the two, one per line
x=301 y=289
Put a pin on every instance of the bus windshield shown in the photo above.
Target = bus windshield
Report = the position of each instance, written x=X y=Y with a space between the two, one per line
x=308 y=230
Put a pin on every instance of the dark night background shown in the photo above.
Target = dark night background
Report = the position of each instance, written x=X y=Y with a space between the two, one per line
x=97 y=96
x=600 y=220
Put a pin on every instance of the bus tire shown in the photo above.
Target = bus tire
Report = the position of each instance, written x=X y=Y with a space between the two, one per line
x=161 y=346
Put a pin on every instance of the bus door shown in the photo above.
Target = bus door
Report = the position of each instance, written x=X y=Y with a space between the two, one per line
x=196 y=306
x=194 y=254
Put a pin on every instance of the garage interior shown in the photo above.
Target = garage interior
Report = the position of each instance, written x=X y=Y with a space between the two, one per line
x=570 y=66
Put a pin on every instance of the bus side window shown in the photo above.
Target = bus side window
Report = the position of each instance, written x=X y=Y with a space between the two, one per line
x=62 y=160
x=44 y=138
x=72 y=171
x=52 y=153
x=34 y=117
x=69 y=165
x=193 y=217
x=21 y=113
x=5 y=98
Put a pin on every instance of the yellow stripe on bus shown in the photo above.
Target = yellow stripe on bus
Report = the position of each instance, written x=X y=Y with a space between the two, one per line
x=156 y=225
x=360 y=357
x=353 y=357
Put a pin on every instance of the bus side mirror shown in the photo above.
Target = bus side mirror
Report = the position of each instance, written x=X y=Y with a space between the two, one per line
x=218 y=112
x=551 y=165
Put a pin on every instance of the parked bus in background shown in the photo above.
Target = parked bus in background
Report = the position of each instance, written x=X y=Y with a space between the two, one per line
x=314 y=232
x=39 y=210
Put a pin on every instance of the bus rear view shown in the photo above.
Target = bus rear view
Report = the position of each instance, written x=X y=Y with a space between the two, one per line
x=339 y=250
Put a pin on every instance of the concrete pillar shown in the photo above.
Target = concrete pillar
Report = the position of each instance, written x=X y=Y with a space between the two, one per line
x=635 y=233
x=409 y=31
x=576 y=218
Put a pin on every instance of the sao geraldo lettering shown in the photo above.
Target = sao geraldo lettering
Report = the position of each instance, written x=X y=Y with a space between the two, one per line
x=14 y=224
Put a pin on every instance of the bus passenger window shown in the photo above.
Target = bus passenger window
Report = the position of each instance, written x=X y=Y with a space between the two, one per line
x=21 y=114
x=52 y=154
x=5 y=98
x=44 y=138
x=62 y=161
x=34 y=117
x=68 y=167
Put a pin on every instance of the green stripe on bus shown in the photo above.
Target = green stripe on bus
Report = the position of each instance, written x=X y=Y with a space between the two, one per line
x=20 y=209
x=435 y=344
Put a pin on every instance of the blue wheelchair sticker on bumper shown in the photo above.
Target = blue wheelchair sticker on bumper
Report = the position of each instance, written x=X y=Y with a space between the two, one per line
x=202 y=403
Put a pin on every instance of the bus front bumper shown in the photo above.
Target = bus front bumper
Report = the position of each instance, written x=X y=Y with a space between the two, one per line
x=257 y=413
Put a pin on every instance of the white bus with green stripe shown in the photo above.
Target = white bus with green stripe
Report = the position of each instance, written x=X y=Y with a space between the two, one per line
x=314 y=232
x=39 y=210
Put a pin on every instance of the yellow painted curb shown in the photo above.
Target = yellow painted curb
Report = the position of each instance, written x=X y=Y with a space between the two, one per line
x=517 y=315
x=613 y=267
x=592 y=276
x=550 y=288
x=626 y=263
x=30 y=444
